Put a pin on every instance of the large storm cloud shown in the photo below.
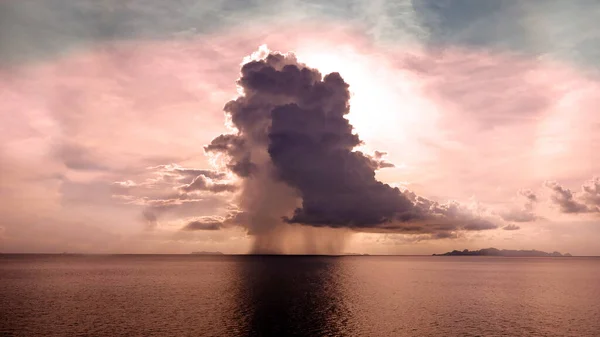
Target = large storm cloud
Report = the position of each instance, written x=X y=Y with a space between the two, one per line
x=294 y=150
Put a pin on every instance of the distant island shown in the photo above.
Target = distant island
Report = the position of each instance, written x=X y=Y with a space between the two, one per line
x=207 y=253
x=503 y=252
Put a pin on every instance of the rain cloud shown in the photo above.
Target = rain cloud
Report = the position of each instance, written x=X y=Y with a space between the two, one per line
x=294 y=150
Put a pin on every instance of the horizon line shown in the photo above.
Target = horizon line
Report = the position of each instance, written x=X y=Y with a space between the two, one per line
x=297 y=255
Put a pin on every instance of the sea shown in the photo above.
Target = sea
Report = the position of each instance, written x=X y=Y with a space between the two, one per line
x=197 y=295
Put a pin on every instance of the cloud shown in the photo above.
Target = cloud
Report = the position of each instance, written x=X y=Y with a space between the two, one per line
x=204 y=224
x=174 y=182
x=111 y=111
x=202 y=183
x=295 y=145
x=403 y=239
x=565 y=199
x=180 y=173
x=378 y=161
x=585 y=201
x=590 y=194
x=521 y=26
x=161 y=194
x=525 y=213
x=150 y=218
x=75 y=26
x=78 y=157
x=461 y=81
x=69 y=26
x=529 y=195
x=478 y=225
x=511 y=227
x=518 y=215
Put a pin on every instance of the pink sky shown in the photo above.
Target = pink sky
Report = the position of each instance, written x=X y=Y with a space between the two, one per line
x=467 y=125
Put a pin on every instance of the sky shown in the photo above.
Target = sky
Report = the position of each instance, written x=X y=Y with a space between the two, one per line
x=449 y=125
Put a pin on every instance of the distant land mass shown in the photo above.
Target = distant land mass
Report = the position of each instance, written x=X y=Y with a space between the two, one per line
x=503 y=252
x=207 y=253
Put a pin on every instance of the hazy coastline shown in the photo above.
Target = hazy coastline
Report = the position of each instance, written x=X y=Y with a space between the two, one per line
x=503 y=253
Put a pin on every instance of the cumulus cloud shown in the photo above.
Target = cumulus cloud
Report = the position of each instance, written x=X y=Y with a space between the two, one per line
x=174 y=191
x=565 y=199
x=529 y=195
x=208 y=223
x=590 y=194
x=294 y=150
x=525 y=212
x=511 y=227
x=585 y=201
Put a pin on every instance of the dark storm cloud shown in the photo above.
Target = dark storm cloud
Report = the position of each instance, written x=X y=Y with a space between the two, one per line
x=292 y=129
x=312 y=150
x=511 y=227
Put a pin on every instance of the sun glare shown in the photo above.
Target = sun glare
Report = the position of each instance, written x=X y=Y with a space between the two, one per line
x=385 y=104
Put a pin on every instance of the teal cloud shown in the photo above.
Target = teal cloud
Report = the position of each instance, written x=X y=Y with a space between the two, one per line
x=558 y=29
x=567 y=30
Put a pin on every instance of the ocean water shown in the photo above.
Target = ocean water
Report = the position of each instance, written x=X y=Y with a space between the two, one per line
x=177 y=295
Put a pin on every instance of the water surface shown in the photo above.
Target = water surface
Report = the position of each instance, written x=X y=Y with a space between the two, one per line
x=181 y=295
